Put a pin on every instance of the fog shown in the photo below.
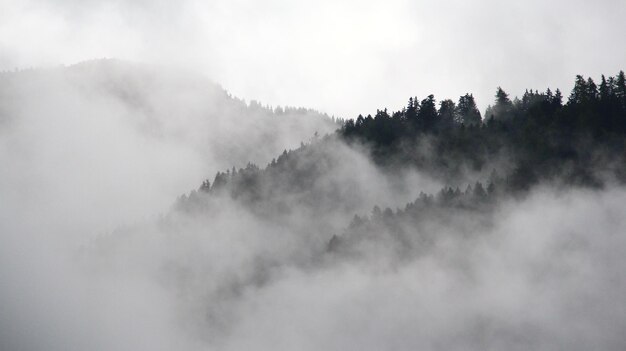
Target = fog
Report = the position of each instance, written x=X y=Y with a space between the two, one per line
x=122 y=142
x=345 y=57
x=109 y=242
x=97 y=254
x=542 y=272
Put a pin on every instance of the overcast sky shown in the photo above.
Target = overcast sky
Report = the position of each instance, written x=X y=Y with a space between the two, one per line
x=342 y=57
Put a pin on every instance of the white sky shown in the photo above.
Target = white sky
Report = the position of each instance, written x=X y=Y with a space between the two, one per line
x=341 y=57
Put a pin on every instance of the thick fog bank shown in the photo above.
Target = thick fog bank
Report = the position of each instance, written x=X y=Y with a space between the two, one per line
x=120 y=141
x=544 y=273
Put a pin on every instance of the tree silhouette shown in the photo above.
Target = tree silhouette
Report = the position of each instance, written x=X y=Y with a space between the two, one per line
x=466 y=111
x=427 y=115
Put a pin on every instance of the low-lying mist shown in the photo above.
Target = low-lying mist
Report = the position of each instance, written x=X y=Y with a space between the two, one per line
x=100 y=251
x=542 y=273
x=120 y=140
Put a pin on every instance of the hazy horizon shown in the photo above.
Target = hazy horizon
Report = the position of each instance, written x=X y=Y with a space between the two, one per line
x=147 y=203
x=344 y=58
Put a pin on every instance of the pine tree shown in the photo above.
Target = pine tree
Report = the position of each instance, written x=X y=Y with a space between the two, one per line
x=427 y=115
x=605 y=90
x=411 y=110
x=503 y=106
x=579 y=92
x=620 y=89
x=558 y=98
x=446 y=114
x=466 y=111
x=592 y=91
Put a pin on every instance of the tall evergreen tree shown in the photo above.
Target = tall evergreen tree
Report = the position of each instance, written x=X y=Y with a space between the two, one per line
x=427 y=115
x=558 y=98
x=579 y=92
x=411 y=110
x=620 y=89
x=446 y=114
x=592 y=90
x=604 y=90
x=503 y=106
x=466 y=111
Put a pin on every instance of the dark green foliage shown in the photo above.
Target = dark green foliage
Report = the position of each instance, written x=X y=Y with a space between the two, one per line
x=467 y=112
x=427 y=115
x=503 y=108
x=446 y=114
x=537 y=136
x=519 y=144
x=412 y=224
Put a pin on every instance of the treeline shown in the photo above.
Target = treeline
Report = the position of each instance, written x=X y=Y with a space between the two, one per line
x=538 y=136
x=256 y=106
x=593 y=108
x=520 y=142
x=409 y=227
x=294 y=172
x=534 y=139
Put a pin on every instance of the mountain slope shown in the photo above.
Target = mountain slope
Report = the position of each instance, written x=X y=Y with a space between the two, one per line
x=130 y=137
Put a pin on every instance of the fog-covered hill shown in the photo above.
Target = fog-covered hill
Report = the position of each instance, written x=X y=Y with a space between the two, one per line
x=138 y=133
x=173 y=105
x=425 y=228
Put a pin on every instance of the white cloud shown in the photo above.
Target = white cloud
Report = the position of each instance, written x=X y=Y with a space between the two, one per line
x=344 y=57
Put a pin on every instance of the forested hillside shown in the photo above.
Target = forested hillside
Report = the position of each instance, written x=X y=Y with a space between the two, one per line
x=536 y=138
x=540 y=139
x=434 y=224
x=491 y=227
x=285 y=175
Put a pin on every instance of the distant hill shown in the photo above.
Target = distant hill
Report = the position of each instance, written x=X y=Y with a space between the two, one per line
x=177 y=106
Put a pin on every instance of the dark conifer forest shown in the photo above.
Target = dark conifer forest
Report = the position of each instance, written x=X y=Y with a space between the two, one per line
x=540 y=139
